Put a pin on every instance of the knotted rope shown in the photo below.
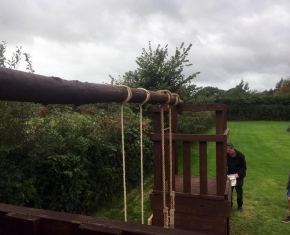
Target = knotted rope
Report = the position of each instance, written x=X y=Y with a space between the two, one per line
x=170 y=97
x=129 y=96
x=141 y=151
x=165 y=208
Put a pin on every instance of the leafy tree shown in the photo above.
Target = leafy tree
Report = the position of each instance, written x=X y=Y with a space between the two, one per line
x=210 y=91
x=284 y=88
x=14 y=115
x=156 y=70
x=279 y=84
x=241 y=89
x=16 y=58
x=15 y=188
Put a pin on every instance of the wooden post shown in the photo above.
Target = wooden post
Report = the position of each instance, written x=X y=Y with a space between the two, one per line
x=174 y=120
x=186 y=167
x=203 y=167
x=157 y=149
x=221 y=162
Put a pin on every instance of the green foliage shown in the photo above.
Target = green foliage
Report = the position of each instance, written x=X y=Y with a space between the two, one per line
x=72 y=161
x=239 y=90
x=13 y=123
x=16 y=58
x=157 y=71
x=196 y=122
x=283 y=88
x=15 y=188
x=254 y=107
x=209 y=92
x=2 y=54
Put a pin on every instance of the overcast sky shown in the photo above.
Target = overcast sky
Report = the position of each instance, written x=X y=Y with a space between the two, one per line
x=87 y=40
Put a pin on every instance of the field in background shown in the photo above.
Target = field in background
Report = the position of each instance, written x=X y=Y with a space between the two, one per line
x=267 y=149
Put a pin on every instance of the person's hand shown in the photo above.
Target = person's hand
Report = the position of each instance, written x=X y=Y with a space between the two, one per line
x=237 y=175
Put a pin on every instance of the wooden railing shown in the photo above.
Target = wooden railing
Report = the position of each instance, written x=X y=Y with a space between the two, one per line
x=220 y=139
x=28 y=221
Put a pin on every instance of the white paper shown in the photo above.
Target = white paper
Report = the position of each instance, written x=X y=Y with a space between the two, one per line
x=233 y=180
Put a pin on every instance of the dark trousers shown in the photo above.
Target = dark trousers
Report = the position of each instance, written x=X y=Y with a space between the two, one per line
x=239 y=190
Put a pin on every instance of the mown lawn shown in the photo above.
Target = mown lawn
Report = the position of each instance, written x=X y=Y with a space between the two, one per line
x=267 y=149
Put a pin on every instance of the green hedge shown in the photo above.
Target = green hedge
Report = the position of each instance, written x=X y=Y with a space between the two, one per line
x=70 y=159
x=252 y=107
x=72 y=162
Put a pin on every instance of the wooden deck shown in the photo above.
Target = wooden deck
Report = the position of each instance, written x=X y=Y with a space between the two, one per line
x=195 y=189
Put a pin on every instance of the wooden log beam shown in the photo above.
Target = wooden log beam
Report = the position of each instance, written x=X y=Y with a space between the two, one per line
x=26 y=87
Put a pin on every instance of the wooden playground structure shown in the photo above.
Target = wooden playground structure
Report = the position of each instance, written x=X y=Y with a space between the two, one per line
x=201 y=203
x=181 y=204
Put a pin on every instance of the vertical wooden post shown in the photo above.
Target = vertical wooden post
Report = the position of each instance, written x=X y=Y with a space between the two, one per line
x=203 y=167
x=186 y=167
x=221 y=167
x=157 y=149
x=174 y=126
x=221 y=162
x=166 y=149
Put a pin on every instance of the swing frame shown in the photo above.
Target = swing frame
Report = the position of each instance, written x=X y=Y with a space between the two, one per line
x=25 y=87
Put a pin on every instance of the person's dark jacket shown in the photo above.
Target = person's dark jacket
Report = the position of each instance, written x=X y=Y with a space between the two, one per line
x=288 y=183
x=237 y=164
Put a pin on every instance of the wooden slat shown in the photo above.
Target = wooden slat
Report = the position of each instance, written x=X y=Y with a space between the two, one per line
x=225 y=117
x=157 y=152
x=201 y=107
x=221 y=176
x=220 y=124
x=195 y=188
x=191 y=137
x=203 y=167
x=157 y=166
x=174 y=126
x=175 y=162
x=166 y=148
x=14 y=223
x=186 y=167
x=188 y=222
x=92 y=229
x=57 y=223
x=193 y=205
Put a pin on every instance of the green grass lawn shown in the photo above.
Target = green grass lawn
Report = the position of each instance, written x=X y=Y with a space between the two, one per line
x=267 y=149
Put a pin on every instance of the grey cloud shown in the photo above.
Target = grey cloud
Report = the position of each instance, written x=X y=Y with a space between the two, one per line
x=232 y=40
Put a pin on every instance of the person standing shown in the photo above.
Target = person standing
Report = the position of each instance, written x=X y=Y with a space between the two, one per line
x=287 y=219
x=236 y=163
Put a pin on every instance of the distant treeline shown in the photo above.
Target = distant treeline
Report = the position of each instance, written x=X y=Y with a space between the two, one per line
x=268 y=108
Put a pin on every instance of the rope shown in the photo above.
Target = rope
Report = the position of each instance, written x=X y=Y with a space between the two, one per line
x=123 y=148
x=168 y=93
x=129 y=96
x=147 y=96
x=172 y=193
x=141 y=151
x=165 y=208
x=177 y=98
